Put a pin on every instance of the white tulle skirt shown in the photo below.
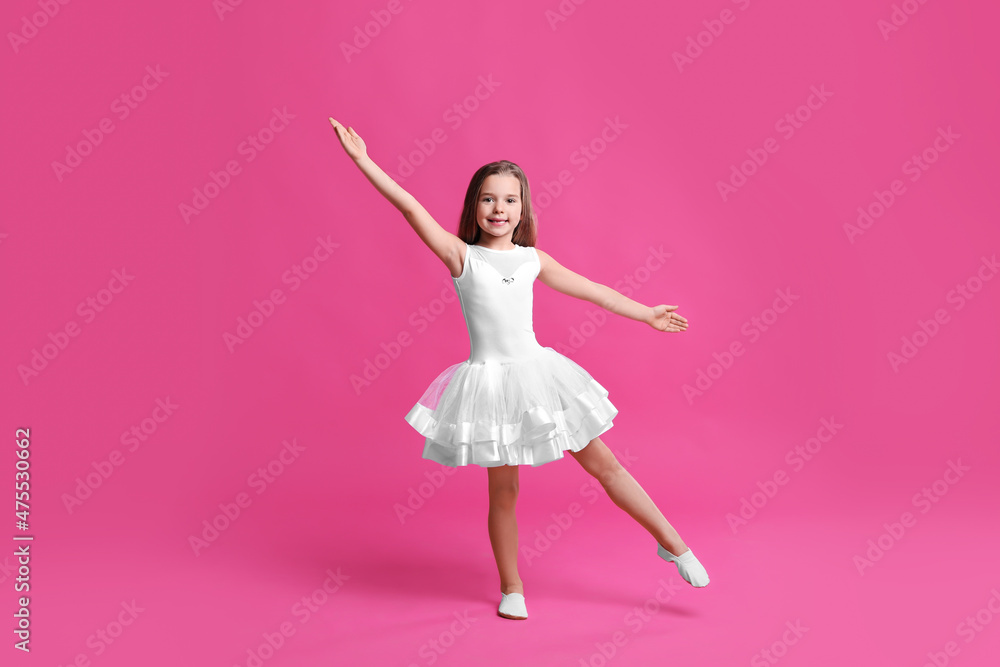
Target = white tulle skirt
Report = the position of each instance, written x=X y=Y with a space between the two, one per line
x=526 y=412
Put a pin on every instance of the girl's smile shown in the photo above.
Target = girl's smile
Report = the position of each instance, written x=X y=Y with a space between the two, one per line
x=499 y=208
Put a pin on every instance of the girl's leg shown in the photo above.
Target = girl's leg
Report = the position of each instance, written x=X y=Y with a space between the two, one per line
x=503 y=525
x=626 y=493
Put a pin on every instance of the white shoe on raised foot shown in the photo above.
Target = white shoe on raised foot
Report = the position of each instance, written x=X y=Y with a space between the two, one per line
x=512 y=606
x=687 y=564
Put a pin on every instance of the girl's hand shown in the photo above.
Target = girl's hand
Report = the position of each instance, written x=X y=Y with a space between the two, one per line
x=349 y=139
x=664 y=319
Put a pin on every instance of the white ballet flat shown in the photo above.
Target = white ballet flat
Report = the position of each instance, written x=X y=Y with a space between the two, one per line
x=512 y=606
x=687 y=564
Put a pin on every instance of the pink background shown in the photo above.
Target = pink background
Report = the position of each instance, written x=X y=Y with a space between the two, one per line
x=421 y=588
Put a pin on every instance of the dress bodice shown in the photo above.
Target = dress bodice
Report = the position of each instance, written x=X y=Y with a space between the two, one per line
x=495 y=290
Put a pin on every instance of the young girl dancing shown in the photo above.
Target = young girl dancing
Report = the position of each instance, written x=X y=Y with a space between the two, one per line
x=514 y=402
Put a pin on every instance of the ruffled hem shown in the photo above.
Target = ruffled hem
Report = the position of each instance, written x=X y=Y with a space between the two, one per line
x=527 y=412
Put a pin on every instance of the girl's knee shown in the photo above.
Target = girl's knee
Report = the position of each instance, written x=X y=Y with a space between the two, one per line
x=503 y=485
x=600 y=461
x=503 y=495
x=609 y=472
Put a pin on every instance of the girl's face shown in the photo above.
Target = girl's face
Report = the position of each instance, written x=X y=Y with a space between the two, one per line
x=499 y=209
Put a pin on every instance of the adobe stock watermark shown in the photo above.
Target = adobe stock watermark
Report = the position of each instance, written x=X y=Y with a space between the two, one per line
x=562 y=12
x=259 y=481
x=420 y=320
x=959 y=296
x=88 y=310
x=132 y=439
x=423 y=492
x=635 y=620
x=435 y=647
x=914 y=167
x=898 y=17
x=303 y=610
x=592 y=489
x=224 y=7
x=968 y=629
x=249 y=149
x=454 y=116
x=122 y=106
x=31 y=24
x=696 y=44
x=924 y=500
x=786 y=126
x=779 y=647
x=294 y=277
x=753 y=329
x=364 y=34
x=581 y=158
x=797 y=457
x=629 y=284
x=105 y=636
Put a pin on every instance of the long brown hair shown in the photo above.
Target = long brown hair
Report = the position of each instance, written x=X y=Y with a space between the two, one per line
x=468 y=228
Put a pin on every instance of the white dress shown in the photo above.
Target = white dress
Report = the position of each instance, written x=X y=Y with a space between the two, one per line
x=513 y=402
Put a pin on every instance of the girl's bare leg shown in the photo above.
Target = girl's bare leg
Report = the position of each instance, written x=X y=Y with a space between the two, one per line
x=626 y=493
x=503 y=484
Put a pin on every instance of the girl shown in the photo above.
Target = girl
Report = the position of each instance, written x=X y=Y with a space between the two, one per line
x=514 y=402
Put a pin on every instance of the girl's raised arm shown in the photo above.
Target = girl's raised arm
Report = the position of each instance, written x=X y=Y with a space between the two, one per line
x=447 y=246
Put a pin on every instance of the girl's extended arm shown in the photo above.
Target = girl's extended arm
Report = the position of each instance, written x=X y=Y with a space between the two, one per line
x=442 y=243
x=560 y=278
